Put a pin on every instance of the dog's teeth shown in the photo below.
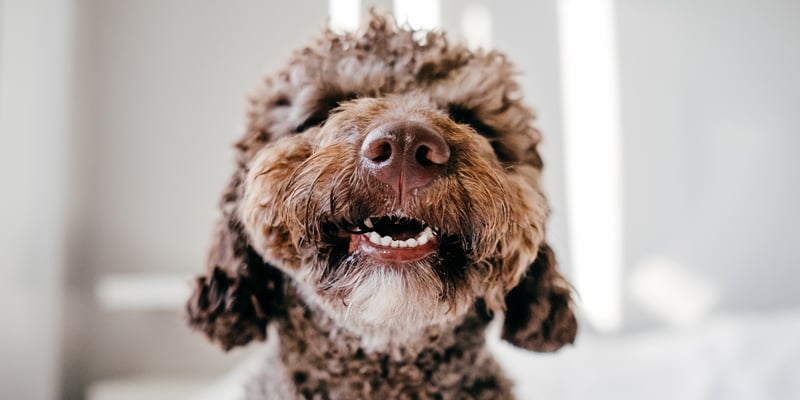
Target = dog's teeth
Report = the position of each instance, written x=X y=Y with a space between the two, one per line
x=422 y=238
x=374 y=237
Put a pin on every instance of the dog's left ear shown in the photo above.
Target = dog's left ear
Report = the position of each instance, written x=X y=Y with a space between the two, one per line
x=539 y=313
x=240 y=294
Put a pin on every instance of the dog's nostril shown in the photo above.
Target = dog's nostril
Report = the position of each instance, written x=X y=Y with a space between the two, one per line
x=382 y=153
x=426 y=156
x=432 y=150
x=377 y=147
x=422 y=156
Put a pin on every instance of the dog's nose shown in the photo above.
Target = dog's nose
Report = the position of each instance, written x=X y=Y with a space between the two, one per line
x=405 y=155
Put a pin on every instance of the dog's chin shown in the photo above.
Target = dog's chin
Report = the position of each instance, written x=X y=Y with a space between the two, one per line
x=388 y=307
x=390 y=296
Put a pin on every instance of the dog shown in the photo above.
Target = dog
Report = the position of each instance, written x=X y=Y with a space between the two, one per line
x=386 y=205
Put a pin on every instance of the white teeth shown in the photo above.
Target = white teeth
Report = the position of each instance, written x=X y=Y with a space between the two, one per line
x=423 y=237
x=387 y=241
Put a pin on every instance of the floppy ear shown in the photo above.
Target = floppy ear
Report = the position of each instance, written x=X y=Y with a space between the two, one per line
x=233 y=303
x=539 y=309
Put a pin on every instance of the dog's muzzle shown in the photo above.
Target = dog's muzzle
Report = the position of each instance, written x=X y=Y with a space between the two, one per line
x=405 y=155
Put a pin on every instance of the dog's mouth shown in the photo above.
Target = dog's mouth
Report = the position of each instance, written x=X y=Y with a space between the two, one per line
x=395 y=239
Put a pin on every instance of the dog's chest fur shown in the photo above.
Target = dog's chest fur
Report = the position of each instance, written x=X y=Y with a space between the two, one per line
x=316 y=360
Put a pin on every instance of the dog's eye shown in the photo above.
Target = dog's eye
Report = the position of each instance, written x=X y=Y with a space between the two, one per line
x=316 y=118
x=322 y=109
x=465 y=116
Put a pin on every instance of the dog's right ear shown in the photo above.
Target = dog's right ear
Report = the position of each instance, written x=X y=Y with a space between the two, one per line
x=539 y=314
x=233 y=303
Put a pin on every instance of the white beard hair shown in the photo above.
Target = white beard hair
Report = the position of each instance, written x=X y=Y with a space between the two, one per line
x=389 y=306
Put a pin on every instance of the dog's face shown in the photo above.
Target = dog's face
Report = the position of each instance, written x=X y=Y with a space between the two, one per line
x=396 y=182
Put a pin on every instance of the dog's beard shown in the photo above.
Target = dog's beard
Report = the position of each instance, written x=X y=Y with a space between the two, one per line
x=389 y=297
x=394 y=303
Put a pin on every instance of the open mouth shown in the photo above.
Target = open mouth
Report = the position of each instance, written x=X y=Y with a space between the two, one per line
x=397 y=239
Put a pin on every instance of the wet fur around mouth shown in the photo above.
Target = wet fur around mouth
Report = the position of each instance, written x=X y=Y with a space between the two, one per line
x=351 y=324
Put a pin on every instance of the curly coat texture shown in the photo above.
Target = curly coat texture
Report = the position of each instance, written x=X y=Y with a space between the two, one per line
x=289 y=249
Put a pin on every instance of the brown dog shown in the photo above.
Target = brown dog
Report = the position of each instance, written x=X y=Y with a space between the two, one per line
x=387 y=203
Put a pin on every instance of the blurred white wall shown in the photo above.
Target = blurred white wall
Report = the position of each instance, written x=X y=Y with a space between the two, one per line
x=711 y=129
x=36 y=52
x=162 y=95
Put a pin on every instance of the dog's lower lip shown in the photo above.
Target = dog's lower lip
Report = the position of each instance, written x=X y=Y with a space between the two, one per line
x=392 y=254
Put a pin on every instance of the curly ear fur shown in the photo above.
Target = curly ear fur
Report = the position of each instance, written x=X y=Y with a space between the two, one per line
x=539 y=309
x=241 y=293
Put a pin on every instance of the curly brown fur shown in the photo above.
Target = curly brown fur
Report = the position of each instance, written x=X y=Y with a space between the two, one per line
x=292 y=249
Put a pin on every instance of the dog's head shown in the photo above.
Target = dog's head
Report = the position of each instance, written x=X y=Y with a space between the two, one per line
x=395 y=180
